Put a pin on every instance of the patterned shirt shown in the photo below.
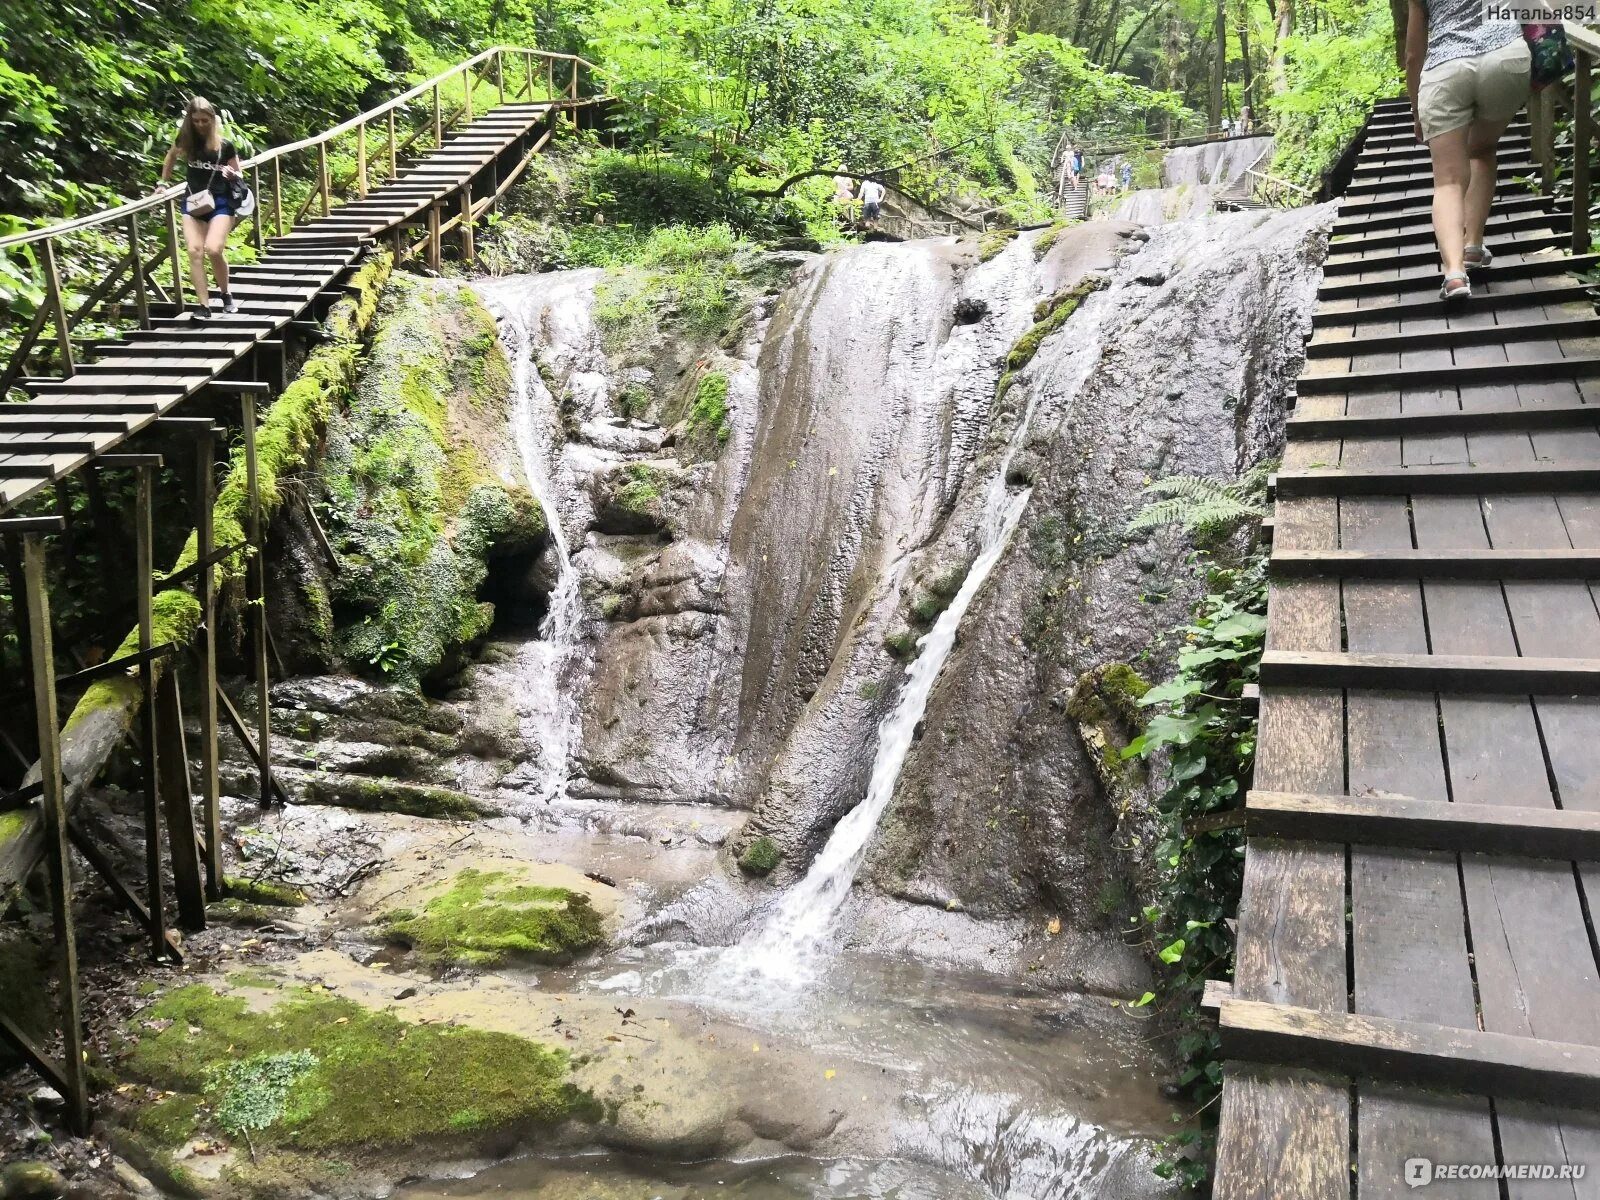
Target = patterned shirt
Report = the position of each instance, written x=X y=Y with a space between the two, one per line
x=1456 y=29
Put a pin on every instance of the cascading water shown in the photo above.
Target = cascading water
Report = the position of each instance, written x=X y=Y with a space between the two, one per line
x=784 y=949
x=549 y=716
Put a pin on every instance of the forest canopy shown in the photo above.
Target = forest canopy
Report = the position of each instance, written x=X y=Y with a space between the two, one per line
x=974 y=94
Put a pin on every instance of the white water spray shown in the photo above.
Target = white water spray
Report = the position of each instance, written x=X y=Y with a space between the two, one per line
x=784 y=949
x=544 y=700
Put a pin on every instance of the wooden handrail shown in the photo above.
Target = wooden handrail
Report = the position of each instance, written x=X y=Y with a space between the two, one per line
x=156 y=199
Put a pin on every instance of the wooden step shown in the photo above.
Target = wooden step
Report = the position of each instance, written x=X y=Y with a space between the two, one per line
x=25 y=418
x=1435 y=564
x=112 y=384
x=1456 y=375
x=1527 y=831
x=1453 y=673
x=1377 y=163
x=1505 y=171
x=1422 y=235
x=1502 y=1065
x=1433 y=307
x=1561 y=414
x=1454 y=339
x=1532 y=268
x=1427 y=254
x=1435 y=480
x=1422 y=215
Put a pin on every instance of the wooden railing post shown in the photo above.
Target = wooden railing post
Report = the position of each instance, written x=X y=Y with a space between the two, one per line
x=149 y=745
x=54 y=812
x=205 y=587
x=172 y=250
x=467 y=249
x=256 y=593
x=277 y=198
x=435 y=258
x=257 y=233
x=58 y=310
x=1582 y=143
x=438 y=118
x=323 y=187
x=141 y=302
x=500 y=76
x=1543 y=129
x=527 y=74
x=361 y=160
x=572 y=93
x=466 y=93
x=394 y=149
x=549 y=79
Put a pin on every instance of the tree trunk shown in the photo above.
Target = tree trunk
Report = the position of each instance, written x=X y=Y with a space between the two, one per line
x=1249 y=79
x=1172 y=51
x=1280 y=46
x=1219 y=65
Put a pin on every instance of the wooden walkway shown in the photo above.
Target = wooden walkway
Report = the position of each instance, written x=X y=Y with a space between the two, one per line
x=1417 y=956
x=146 y=374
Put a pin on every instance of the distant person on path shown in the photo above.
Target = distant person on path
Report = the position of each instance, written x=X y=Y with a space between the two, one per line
x=872 y=193
x=1227 y=128
x=1247 y=120
x=1467 y=78
x=214 y=195
x=1127 y=176
x=1077 y=163
x=844 y=186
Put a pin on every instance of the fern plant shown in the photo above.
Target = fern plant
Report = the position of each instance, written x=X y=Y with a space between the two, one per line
x=1206 y=508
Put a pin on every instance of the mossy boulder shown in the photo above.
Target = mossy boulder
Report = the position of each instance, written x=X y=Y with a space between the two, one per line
x=994 y=241
x=414 y=504
x=901 y=644
x=31 y=1181
x=313 y=1072
x=636 y=498
x=487 y=917
x=760 y=857
x=1104 y=705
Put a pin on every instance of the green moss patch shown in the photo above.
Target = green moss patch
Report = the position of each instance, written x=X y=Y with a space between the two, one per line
x=262 y=891
x=1046 y=241
x=902 y=644
x=708 y=416
x=391 y=795
x=317 y=1072
x=486 y=917
x=760 y=856
x=1062 y=306
x=993 y=241
x=413 y=509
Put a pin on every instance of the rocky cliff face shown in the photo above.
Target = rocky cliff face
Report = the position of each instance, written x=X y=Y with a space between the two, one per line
x=749 y=605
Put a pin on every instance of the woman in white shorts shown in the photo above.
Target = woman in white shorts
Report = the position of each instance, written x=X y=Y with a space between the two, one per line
x=1467 y=78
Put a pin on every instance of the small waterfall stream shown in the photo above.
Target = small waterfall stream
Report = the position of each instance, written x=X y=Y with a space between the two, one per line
x=784 y=949
x=545 y=701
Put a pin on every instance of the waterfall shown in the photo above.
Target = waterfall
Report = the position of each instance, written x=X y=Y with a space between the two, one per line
x=783 y=950
x=549 y=715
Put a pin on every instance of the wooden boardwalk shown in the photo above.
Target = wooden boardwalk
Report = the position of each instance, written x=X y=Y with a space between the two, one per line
x=1417 y=956
x=146 y=374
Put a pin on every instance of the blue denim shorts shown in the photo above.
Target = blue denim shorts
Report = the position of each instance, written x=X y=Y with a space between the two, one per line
x=223 y=207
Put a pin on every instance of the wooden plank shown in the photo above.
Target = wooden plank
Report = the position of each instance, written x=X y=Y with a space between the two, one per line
x=1467 y=1060
x=1436 y=479
x=1402 y=563
x=1404 y=821
x=1568 y=412
x=1452 y=375
x=1433 y=672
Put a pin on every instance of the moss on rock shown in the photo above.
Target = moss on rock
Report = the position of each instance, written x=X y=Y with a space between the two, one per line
x=413 y=508
x=992 y=242
x=760 y=856
x=901 y=644
x=363 y=1081
x=391 y=795
x=262 y=891
x=486 y=917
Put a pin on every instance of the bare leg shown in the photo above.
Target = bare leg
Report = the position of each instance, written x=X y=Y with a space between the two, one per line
x=194 y=239
x=217 y=249
x=1482 y=139
x=1450 y=173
